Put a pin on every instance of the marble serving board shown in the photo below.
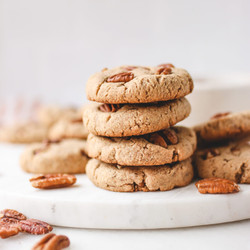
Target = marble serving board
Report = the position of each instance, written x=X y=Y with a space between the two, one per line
x=86 y=206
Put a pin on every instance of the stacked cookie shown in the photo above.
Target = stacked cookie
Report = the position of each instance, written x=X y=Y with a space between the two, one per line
x=133 y=142
x=224 y=147
x=64 y=151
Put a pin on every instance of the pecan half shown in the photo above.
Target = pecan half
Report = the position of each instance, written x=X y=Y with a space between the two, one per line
x=210 y=153
x=216 y=186
x=33 y=226
x=158 y=139
x=110 y=107
x=121 y=77
x=52 y=242
x=50 y=181
x=11 y=213
x=7 y=230
x=45 y=145
x=171 y=136
x=219 y=115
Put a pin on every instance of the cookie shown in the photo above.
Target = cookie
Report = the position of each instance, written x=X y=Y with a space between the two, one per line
x=159 y=148
x=136 y=84
x=65 y=129
x=134 y=119
x=223 y=126
x=66 y=156
x=48 y=115
x=131 y=179
x=231 y=161
x=23 y=133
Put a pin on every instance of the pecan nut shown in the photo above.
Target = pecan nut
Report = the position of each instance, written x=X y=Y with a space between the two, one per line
x=217 y=186
x=166 y=65
x=210 y=153
x=121 y=77
x=33 y=226
x=11 y=213
x=110 y=107
x=50 y=181
x=52 y=241
x=7 y=230
x=158 y=139
x=165 y=69
x=220 y=115
x=171 y=136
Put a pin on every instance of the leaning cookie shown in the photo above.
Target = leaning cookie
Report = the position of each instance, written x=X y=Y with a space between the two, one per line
x=131 y=179
x=65 y=129
x=134 y=119
x=137 y=84
x=159 y=148
x=23 y=133
x=231 y=161
x=67 y=156
x=223 y=126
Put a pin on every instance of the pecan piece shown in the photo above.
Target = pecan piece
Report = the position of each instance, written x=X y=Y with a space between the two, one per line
x=166 y=65
x=217 y=186
x=171 y=136
x=110 y=107
x=52 y=242
x=44 y=147
x=50 y=181
x=11 y=213
x=158 y=139
x=219 y=115
x=33 y=226
x=121 y=77
x=165 y=69
x=7 y=230
x=210 y=153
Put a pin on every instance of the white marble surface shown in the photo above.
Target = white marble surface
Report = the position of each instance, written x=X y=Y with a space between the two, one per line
x=85 y=206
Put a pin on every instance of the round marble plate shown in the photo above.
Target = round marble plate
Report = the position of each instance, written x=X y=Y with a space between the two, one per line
x=85 y=206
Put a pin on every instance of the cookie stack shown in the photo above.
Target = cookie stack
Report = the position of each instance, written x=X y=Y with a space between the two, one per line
x=64 y=151
x=224 y=147
x=133 y=142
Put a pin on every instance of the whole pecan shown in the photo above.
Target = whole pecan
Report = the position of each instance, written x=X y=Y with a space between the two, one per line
x=7 y=230
x=121 y=77
x=11 y=213
x=171 y=136
x=110 y=107
x=219 y=115
x=50 y=181
x=33 y=226
x=216 y=186
x=52 y=242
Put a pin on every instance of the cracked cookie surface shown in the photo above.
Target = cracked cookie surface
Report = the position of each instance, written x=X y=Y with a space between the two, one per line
x=135 y=119
x=131 y=179
x=139 y=151
x=231 y=161
x=223 y=127
x=66 y=156
x=148 y=84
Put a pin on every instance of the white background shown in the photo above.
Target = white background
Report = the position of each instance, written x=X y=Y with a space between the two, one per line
x=49 y=48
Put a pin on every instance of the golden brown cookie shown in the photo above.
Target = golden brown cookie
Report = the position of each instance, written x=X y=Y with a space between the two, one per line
x=134 y=119
x=159 y=148
x=131 y=179
x=138 y=84
x=66 y=156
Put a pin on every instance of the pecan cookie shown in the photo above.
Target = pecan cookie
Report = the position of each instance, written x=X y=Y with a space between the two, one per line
x=231 y=161
x=49 y=115
x=159 y=148
x=67 y=156
x=65 y=129
x=23 y=133
x=131 y=179
x=137 y=84
x=134 y=119
x=223 y=126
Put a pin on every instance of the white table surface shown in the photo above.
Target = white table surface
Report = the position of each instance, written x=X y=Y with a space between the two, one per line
x=224 y=236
